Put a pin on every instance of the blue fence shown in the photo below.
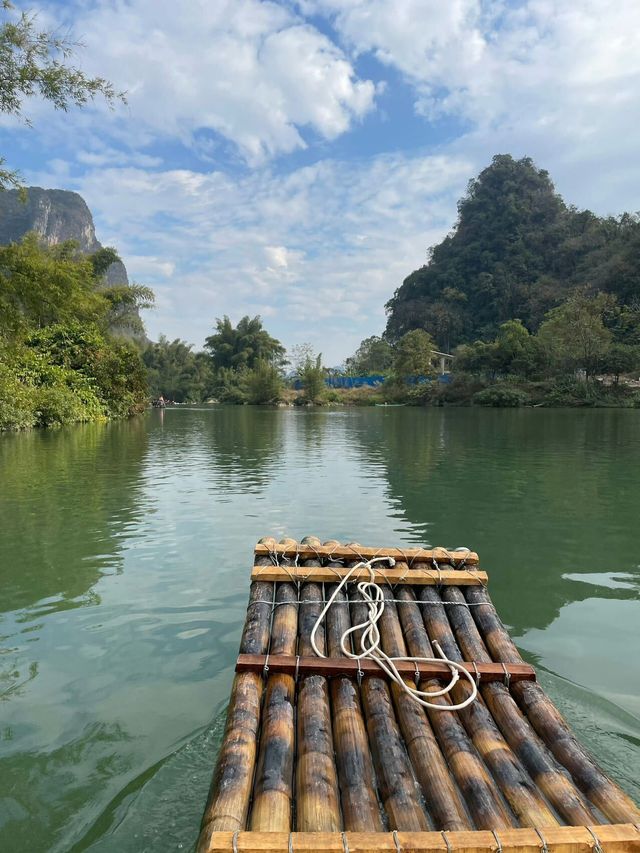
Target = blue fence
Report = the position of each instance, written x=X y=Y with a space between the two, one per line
x=369 y=381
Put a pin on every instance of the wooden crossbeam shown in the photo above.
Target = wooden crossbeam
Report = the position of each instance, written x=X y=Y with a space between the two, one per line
x=396 y=575
x=612 y=838
x=312 y=665
x=358 y=552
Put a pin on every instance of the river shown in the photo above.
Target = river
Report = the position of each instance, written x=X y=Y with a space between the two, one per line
x=125 y=552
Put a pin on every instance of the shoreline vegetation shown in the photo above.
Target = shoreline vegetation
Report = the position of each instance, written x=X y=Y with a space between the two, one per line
x=531 y=302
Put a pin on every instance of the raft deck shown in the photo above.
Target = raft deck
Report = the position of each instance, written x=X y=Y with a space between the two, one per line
x=328 y=754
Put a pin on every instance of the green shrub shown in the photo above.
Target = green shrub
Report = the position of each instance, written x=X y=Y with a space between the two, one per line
x=501 y=396
x=57 y=405
x=17 y=403
x=311 y=375
x=568 y=391
x=263 y=384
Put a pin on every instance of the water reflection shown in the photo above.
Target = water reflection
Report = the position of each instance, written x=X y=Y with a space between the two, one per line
x=124 y=559
x=540 y=495
x=66 y=501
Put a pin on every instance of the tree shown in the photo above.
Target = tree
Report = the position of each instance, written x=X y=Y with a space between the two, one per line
x=44 y=285
x=58 y=362
x=176 y=372
x=413 y=355
x=243 y=346
x=309 y=370
x=264 y=383
x=374 y=355
x=40 y=285
x=620 y=359
x=574 y=335
x=517 y=351
x=34 y=63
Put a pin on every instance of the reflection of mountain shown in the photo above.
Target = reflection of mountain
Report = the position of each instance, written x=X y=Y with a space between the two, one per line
x=538 y=494
x=69 y=493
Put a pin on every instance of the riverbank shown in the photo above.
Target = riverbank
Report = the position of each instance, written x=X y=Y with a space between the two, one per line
x=464 y=391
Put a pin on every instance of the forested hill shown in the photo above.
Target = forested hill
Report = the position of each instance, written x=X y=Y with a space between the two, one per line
x=516 y=251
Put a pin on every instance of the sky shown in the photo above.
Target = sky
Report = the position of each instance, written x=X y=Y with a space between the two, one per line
x=297 y=159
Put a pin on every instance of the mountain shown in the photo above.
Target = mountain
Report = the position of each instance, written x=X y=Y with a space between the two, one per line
x=516 y=251
x=56 y=216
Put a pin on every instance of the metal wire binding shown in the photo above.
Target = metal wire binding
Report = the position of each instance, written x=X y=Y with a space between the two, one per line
x=446 y=840
x=265 y=670
x=234 y=841
x=507 y=676
x=439 y=571
x=396 y=841
x=290 y=842
x=544 y=847
x=495 y=835
x=597 y=847
x=297 y=668
x=345 y=845
x=475 y=669
x=418 y=676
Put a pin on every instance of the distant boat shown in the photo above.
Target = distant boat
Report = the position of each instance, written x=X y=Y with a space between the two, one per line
x=389 y=405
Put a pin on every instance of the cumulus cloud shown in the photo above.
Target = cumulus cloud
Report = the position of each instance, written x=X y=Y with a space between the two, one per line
x=253 y=72
x=319 y=249
x=289 y=247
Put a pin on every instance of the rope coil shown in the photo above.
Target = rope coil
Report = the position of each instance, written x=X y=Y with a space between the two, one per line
x=373 y=596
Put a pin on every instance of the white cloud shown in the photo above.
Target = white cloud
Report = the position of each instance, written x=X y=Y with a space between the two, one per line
x=318 y=250
x=288 y=247
x=251 y=71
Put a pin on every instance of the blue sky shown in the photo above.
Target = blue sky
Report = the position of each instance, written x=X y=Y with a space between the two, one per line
x=296 y=159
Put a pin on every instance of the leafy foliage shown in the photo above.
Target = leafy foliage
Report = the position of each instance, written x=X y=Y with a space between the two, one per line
x=58 y=362
x=574 y=335
x=501 y=396
x=517 y=251
x=311 y=374
x=176 y=372
x=244 y=345
x=34 y=63
x=413 y=355
x=374 y=355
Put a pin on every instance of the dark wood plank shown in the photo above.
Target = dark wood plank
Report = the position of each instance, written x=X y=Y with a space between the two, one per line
x=311 y=664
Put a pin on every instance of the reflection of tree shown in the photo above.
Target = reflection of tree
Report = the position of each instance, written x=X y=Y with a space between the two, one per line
x=408 y=446
x=538 y=494
x=65 y=495
x=246 y=443
x=73 y=776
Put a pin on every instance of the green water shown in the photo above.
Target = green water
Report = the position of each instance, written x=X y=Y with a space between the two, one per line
x=125 y=551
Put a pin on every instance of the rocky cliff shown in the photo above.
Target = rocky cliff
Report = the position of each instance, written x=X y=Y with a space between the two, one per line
x=56 y=216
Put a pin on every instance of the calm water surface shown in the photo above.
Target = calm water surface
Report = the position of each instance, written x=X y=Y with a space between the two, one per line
x=125 y=551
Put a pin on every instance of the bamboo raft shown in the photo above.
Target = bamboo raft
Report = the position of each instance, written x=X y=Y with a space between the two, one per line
x=328 y=754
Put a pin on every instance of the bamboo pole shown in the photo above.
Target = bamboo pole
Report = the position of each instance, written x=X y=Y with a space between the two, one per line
x=317 y=797
x=228 y=801
x=442 y=797
x=547 y=721
x=398 y=788
x=557 y=787
x=273 y=787
x=516 y=786
x=485 y=805
x=356 y=776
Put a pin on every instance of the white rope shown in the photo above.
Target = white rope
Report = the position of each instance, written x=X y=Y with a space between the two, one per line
x=373 y=597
